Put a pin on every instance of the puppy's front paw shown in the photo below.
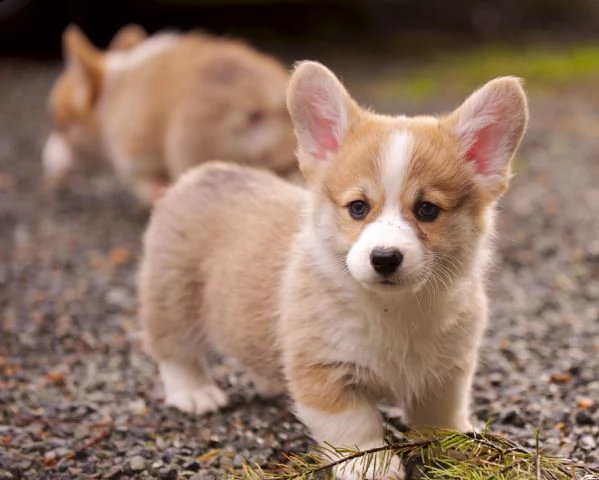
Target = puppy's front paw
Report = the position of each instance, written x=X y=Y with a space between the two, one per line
x=360 y=469
x=197 y=400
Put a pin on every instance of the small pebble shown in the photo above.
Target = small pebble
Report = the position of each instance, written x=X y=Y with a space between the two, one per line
x=192 y=466
x=137 y=463
x=238 y=461
x=513 y=417
x=588 y=443
x=584 y=418
x=167 y=474
x=114 y=473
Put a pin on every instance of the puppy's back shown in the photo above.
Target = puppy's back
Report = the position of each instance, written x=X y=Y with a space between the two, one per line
x=187 y=99
x=219 y=231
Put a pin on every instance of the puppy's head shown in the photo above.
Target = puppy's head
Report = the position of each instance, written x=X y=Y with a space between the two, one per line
x=73 y=99
x=404 y=202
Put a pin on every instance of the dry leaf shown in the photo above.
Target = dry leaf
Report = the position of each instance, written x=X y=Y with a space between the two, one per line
x=564 y=377
x=119 y=256
x=209 y=455
x=55 y=377
x=585 y=403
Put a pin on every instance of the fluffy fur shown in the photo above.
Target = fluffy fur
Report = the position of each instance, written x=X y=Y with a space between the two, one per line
x=156 y=106
x=284 y=279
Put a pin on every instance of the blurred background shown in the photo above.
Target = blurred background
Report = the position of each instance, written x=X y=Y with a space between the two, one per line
x=68 y=263
x=549 y=42
x=33 y=26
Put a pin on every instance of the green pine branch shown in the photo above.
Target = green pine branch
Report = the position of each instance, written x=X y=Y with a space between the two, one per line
x=442 y=454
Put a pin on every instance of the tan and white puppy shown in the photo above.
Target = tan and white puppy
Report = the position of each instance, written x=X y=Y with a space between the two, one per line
x=156 y=106
x=368 y=286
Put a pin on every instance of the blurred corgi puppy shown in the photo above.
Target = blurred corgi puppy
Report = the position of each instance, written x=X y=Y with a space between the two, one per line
x=156 y=106
x=367 y=286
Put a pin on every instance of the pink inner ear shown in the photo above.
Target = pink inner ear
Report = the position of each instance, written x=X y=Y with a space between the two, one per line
x=483 y=148
x=322 y=127
x=324 y=136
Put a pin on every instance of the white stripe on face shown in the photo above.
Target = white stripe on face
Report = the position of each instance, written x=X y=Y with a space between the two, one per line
x=395 y=165
x=389 y=230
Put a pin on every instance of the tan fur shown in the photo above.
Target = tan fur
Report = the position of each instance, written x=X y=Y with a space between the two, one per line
x=128 y=37
x=157 y=106
x=179 y=282
x=238 y=261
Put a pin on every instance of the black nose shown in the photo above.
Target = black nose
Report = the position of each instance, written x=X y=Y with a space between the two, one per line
x=385 y=261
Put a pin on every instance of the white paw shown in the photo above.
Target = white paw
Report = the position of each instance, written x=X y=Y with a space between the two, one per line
x=354 y=470
x=198 y=400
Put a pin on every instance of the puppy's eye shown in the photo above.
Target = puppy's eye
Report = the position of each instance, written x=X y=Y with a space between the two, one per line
x=426 y=211
x=358 y=209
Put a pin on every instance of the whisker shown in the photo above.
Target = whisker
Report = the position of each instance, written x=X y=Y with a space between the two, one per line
x=446 y=273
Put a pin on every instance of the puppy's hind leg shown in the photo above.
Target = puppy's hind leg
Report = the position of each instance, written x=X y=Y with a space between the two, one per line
x=172 y=325
x=189 y=387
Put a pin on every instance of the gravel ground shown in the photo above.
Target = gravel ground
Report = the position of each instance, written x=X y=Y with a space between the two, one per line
x=79 y=400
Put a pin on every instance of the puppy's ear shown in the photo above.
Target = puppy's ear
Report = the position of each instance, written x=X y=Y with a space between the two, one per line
x=321 y=111
x=86 y=62
x=489 y=126
x=127 y=38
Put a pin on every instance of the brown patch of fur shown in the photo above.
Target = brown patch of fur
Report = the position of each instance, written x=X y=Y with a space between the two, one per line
x=436 y=174
x=73 y=97
x=355 y=175
x=328 y=388
x=89 y=61
x=65 y=109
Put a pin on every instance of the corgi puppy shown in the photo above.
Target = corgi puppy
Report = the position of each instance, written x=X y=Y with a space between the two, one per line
x=156 y=106
x=367 y=286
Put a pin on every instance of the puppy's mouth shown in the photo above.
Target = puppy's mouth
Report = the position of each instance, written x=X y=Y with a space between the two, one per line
x=385 y=284
x=394 y=282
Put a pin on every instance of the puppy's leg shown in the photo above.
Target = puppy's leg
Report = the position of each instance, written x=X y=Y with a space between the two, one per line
x=173 y=331
x=189 y=387
x=445 y=405
x=265 y=387
x=173 y=337
x=338 y=415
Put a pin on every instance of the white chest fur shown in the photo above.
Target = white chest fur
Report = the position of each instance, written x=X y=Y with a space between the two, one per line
x=402 y=342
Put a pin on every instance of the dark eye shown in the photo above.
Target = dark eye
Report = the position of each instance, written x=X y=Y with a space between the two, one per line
x=358 y=209
x=426 y=211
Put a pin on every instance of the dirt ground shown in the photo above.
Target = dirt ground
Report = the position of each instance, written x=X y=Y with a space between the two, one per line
x=78 y=399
